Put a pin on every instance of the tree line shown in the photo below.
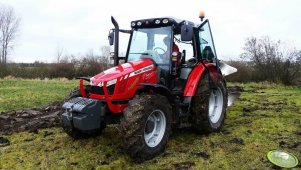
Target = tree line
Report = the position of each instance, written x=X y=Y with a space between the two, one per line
x=265 y=59
x=66 y=66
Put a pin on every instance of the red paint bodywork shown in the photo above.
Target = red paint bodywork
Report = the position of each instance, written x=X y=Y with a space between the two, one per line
x=127 y=76
x=195 y=76
x=213 y=72
x=193 y=79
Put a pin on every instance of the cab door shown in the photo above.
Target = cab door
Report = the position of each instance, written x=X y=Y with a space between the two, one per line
x=206 y=44
x=207 y=53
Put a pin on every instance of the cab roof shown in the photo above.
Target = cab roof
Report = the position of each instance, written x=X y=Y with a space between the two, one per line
x=159 y=22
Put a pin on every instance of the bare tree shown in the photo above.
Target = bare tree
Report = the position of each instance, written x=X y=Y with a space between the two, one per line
x=272 y=61
x=105 y=57
x=59 y=53
x=9 y=25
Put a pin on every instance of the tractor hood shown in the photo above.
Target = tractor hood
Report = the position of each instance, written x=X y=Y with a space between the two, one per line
x=119 y=71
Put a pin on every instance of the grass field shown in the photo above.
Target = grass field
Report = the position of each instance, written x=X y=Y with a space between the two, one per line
x=18 y=94
x=265 y=117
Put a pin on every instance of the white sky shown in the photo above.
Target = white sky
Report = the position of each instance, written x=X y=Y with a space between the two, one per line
x=80 y=26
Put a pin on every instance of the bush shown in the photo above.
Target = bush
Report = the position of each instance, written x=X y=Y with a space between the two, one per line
x=244 y=74
x=87 y=66
x=272 y=61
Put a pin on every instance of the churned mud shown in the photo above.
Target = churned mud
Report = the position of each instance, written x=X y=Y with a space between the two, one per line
x=48 y=116
x=29 y=119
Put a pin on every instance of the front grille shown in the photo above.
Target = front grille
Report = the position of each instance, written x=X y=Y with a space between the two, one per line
x=99 y=90
x=111 y=89
x=96 y=90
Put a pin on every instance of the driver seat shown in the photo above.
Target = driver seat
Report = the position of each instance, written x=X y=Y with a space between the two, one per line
x=208 y=53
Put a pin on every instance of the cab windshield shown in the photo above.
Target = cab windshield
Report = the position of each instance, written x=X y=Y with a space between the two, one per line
x=154 y=43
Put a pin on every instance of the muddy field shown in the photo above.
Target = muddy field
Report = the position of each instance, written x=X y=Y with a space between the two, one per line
x=264 y=117
x=30 y=120
x=33 y=119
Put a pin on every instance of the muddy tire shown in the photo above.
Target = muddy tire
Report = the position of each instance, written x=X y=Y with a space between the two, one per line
x=73 y=93
x=208 y=109
x=146 y=126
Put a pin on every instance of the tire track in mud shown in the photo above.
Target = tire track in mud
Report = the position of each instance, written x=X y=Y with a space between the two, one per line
x=33 y=119
x=30 y=119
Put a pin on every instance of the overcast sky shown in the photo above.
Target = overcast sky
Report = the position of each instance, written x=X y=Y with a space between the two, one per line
x=80 y=26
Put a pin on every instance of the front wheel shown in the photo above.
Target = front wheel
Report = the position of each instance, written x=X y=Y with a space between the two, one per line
x=146 y=126
x=209 y=106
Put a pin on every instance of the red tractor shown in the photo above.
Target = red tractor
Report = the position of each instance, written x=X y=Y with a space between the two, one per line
x=156 y=89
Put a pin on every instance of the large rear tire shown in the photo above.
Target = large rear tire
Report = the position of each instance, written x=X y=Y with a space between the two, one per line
x=146 y=126
x=208 y=109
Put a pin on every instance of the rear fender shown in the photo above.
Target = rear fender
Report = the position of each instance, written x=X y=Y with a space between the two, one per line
x=213 y=72
x=196 y=74
x=193 y=80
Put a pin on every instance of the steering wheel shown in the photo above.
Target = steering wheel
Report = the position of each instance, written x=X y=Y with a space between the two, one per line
x=192 y=62
x=159 y=48
x=152 y=54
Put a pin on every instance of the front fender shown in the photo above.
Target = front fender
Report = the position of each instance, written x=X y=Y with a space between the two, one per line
x=158 y=88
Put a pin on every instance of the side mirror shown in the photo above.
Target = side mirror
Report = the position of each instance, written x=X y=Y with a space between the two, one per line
x=186 y=32
x=111 y=37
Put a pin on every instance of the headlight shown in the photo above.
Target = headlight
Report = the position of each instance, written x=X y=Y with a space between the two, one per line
x=165 y=21
x=111 y=82
x=111 y=86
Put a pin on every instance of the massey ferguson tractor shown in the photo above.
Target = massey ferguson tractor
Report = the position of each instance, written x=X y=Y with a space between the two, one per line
x=157 y=88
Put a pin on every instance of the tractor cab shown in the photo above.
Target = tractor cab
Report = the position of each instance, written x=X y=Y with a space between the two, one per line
x=155 y=39
x=169 y=43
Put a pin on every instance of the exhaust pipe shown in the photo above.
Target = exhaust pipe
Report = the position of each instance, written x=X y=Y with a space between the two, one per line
x=116 y=44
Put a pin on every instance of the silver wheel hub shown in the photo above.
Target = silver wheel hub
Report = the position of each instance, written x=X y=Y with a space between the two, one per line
x=216 y=103
x=154 y=129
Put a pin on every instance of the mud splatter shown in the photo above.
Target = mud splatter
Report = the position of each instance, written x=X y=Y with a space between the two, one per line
x=183 y=165
x=30 y=119
x=4 y=142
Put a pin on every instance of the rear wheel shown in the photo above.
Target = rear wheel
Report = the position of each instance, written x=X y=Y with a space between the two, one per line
x=209 y=106
x=146 y=126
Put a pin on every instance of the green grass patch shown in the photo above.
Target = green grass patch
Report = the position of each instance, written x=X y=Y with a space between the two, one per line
x=20 y=93
x=265 y=117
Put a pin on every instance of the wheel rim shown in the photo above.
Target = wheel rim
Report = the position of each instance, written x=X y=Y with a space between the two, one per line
x=155 y=127
x=215 y=105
